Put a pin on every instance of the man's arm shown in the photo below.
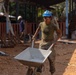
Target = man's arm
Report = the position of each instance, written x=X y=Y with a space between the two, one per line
x=59 y=34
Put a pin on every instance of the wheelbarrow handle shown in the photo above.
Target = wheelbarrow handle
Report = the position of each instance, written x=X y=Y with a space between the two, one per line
x=32 y=44
x=51 y=46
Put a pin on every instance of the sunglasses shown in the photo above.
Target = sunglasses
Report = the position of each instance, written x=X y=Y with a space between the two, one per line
x=47 y=17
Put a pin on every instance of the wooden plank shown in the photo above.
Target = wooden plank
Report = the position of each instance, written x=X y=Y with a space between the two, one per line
x=67 y=41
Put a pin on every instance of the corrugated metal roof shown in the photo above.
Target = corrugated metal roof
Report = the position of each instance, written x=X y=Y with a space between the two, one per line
x=47 y=2
x=44 y=2
x=40 y=2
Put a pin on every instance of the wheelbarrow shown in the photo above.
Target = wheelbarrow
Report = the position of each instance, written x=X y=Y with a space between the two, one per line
x=33 y=57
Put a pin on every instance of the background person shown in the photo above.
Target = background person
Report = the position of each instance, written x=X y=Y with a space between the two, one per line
x=21 y=26
x=47 y=28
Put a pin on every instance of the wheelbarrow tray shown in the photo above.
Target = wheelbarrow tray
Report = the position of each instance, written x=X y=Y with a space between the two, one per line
x=33 y=56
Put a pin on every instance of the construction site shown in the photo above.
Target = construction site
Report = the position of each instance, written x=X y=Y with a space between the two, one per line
x=11 y=44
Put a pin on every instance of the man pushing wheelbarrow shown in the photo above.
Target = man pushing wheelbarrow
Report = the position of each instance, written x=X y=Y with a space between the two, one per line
x=34 y=57
x=47 y=28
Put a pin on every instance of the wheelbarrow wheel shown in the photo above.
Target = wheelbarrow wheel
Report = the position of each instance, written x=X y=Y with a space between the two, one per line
x=29 y=71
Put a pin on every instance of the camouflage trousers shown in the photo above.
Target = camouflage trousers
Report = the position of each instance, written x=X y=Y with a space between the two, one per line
x=51 y=57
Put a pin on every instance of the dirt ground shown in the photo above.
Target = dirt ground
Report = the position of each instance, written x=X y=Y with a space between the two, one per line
x=65 y=60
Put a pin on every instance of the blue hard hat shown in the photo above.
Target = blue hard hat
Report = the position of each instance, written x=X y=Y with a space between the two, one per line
x=47 y=13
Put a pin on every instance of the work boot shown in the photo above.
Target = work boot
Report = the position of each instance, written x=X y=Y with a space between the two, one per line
x=37 y=73
x=52 y=71
x=30 y=71
x=39 y=69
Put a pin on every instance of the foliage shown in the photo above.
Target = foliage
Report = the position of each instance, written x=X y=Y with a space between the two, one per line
x=29 y=12
x=12 y=8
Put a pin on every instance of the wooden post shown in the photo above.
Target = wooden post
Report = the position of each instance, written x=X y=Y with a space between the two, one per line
x=66 y=17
